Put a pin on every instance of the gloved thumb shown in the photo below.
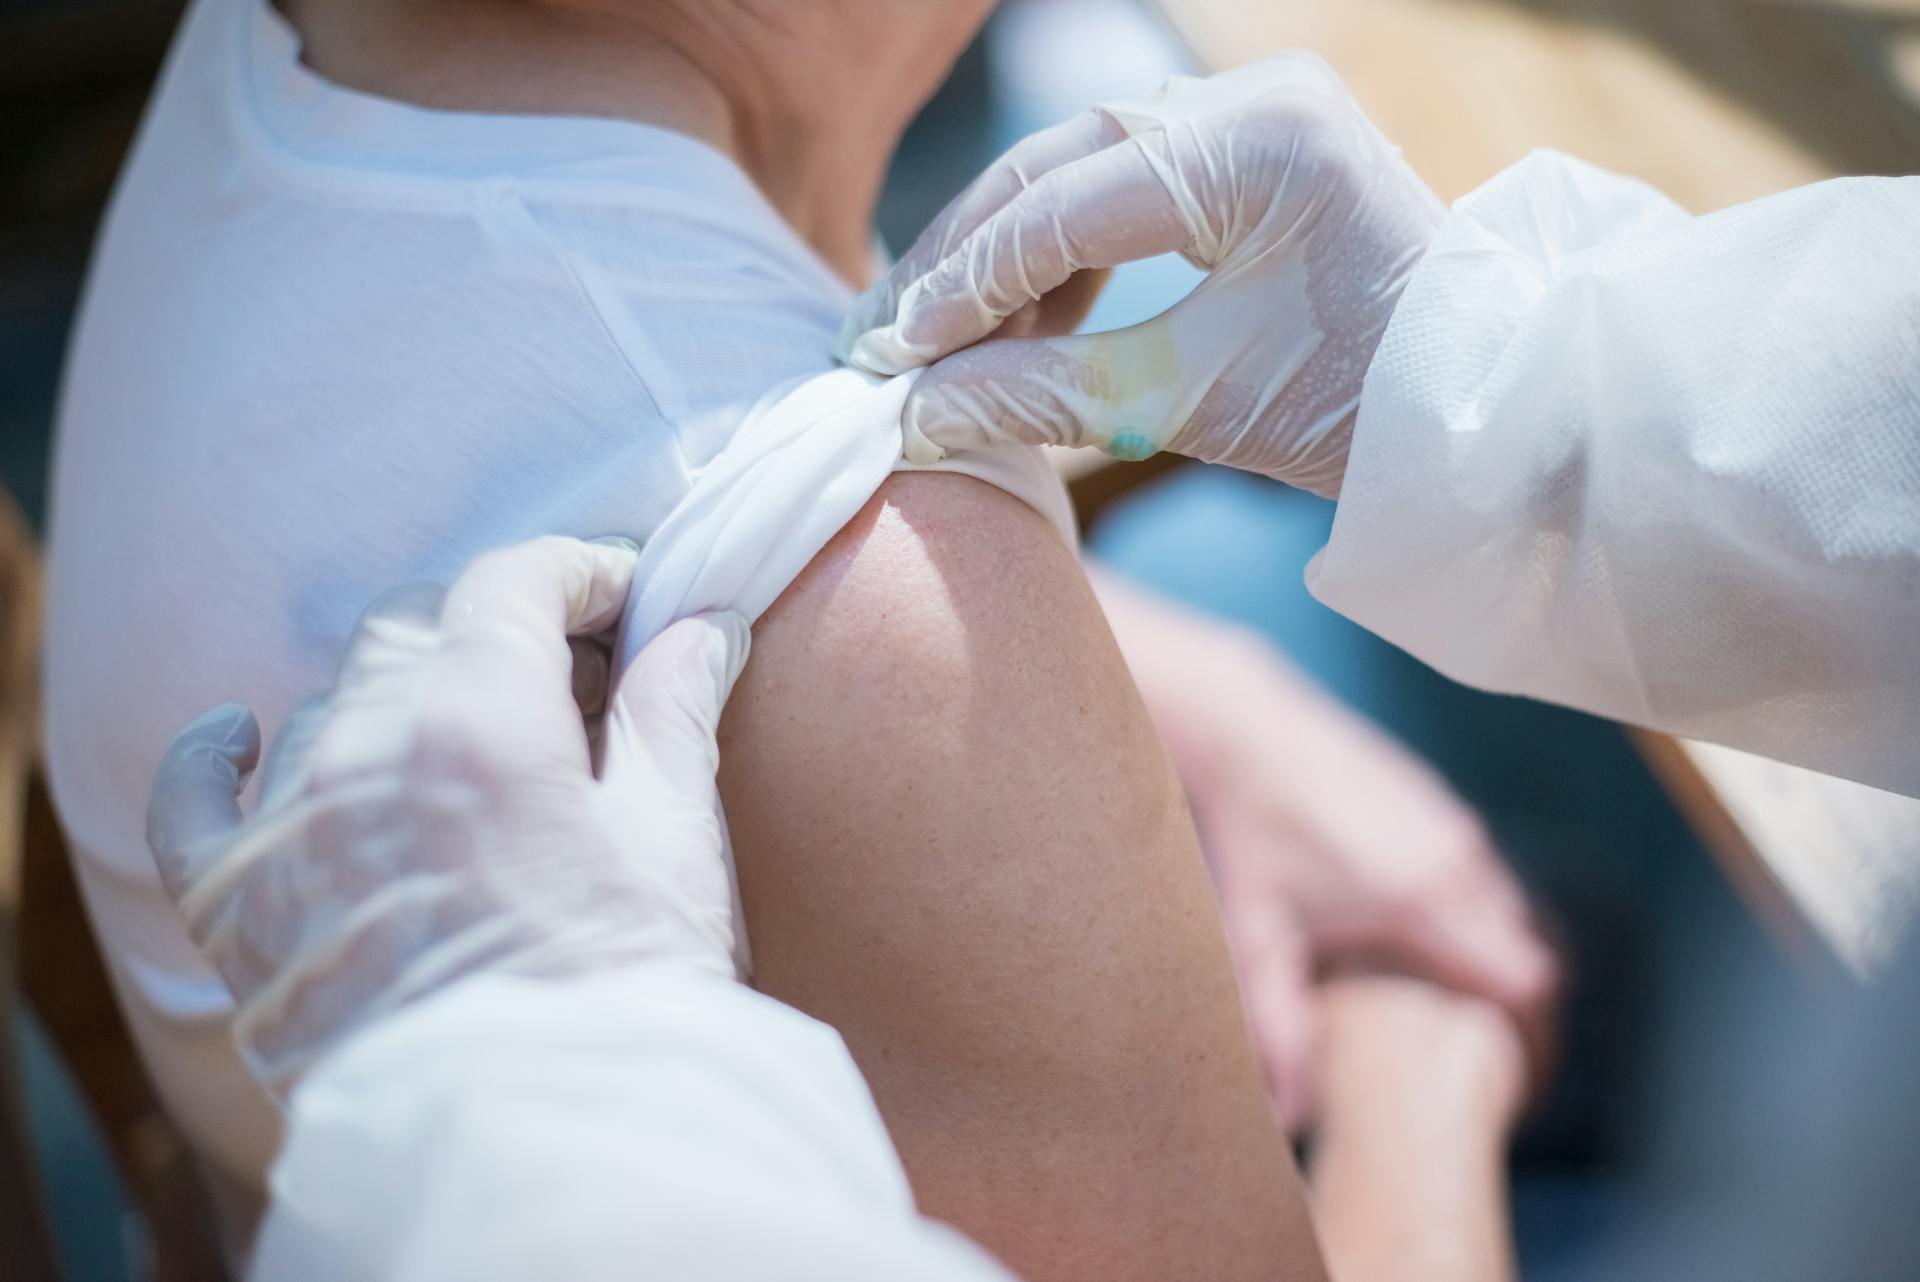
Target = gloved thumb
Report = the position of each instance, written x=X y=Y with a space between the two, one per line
x=195 y=807
x=664 y=715
x=1120 y=392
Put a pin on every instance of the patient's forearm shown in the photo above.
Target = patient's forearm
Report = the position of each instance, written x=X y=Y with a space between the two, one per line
x=1400 y=1205
x=960 y=844
x=1418 y=1094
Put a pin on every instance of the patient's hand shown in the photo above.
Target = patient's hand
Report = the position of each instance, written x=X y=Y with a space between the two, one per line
x=1396 y=1051
x=1328 y=842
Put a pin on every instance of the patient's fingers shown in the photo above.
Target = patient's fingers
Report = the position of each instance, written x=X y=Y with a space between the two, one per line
x=195 y=806
x=1275 y=965
x=1478 y=946
x=1476 y=942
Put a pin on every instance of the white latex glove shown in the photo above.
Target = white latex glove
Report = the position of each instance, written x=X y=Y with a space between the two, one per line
x=1269 y=177
x=436 y=813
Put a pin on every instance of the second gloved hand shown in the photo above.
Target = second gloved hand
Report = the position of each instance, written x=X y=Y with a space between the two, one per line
x=1269 y=177
x=436 y=813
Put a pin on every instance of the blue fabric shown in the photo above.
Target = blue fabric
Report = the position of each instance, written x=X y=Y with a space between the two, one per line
x=96 y=1234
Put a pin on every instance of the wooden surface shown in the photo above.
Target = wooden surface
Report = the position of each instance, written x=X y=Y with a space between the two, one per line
x=1715 y=102
x=52 y=965
x=1831 y=865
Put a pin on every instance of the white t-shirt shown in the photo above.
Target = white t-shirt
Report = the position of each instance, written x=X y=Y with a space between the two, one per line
x=331 y=343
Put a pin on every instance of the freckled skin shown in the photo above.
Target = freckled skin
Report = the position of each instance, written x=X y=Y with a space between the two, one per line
x=959 y=842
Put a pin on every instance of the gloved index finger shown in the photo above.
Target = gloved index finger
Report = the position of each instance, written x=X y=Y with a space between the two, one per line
x=507 y=620
x=1023 y=165
x=1105 y=209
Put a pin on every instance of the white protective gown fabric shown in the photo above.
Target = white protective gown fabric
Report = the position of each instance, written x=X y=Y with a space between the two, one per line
x=655 y=1122
x=331 y=343
x=1662 y=468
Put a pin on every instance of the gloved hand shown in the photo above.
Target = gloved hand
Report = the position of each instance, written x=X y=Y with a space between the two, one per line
x=1269 y=177
x=436 y=812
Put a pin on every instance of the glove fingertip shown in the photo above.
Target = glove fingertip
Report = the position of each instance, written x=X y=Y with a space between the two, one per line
x=618 y=541
x=732 y=639
x=228 y=729
x=710 y=648
x=915 y=448
x=881 y=351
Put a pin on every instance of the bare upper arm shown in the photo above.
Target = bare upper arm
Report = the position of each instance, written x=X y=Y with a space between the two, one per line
x=959 y=843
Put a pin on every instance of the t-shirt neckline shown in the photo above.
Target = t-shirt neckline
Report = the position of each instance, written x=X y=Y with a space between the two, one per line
x=313 y=120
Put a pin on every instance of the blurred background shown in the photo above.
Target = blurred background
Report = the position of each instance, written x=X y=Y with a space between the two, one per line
x=1676 y=888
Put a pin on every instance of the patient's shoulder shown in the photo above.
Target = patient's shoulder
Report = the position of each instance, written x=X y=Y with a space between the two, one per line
x=935 y=561
x=960 y=844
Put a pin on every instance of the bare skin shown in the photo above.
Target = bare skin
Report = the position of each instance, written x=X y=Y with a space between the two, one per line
x=1420 y=1089
x=1032 y=978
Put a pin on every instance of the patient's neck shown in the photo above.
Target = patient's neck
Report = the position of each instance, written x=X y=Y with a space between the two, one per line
x=809 y=101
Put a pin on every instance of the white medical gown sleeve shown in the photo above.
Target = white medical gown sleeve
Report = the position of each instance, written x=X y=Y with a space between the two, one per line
x=1662 y=468
x=653 y=1123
